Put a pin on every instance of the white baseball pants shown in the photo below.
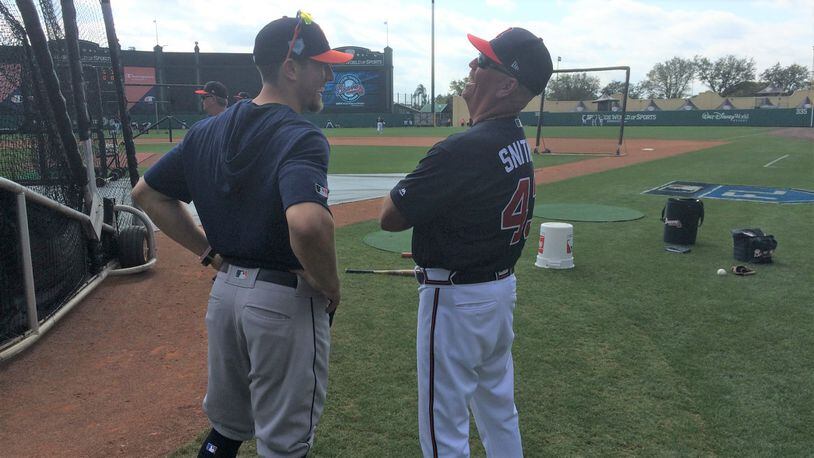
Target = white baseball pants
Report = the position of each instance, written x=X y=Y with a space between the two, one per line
x=464 y=357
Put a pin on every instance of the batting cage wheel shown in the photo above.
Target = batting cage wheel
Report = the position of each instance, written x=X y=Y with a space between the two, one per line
x=133 y=247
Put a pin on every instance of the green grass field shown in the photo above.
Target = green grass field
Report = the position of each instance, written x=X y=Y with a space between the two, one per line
x=374 y=159
x=635 y=351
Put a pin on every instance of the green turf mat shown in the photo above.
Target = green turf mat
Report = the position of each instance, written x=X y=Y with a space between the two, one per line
x=586 y=212
x=390 y=241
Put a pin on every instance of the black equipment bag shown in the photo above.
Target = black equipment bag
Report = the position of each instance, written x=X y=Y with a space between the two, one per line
x=752 y=245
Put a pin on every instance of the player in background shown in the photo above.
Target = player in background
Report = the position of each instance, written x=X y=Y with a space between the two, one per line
x=214 y=98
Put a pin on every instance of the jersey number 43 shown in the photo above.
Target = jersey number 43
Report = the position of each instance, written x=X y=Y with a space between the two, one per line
x=515 y=214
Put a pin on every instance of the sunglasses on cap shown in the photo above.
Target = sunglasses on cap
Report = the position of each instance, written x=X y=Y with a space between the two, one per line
x=302 y=18
x=485 y=62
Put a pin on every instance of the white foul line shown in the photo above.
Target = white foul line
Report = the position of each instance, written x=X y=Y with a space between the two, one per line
x=776 y=160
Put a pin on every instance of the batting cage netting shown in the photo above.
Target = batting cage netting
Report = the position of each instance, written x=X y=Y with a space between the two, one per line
x=59 y=101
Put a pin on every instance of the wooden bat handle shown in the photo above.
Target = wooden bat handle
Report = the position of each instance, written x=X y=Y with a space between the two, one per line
x=406 y=254
x=395 y=272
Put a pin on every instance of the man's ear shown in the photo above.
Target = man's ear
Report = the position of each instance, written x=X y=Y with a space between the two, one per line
x=289 y=69
x=507 y=87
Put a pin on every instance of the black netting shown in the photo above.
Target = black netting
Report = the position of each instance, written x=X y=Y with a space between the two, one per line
x=12 y=295
x=33 y=155
x=59 y=256
x=30 y=151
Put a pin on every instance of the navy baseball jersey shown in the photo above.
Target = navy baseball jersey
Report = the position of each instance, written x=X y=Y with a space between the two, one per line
x=471 y=199
x=243 y=169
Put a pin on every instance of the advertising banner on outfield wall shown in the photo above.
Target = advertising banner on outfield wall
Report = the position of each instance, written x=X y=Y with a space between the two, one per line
x=779 y=117
x=137 y=75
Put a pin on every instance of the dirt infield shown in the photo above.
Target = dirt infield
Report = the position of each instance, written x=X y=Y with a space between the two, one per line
x=146 y=159
x=795 y=132
x=125 y=372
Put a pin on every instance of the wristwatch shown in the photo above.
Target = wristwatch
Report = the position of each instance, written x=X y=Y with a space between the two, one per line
x=207 y=257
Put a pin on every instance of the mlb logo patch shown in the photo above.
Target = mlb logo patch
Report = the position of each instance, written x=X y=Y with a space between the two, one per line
x=241 y=274
x=211 y=448
x=321 y=190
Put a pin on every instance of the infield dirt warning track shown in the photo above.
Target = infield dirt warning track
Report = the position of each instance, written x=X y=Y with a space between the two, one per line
x=125 y=372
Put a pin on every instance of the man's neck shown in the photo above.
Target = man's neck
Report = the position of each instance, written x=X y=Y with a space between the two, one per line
x=494 y=115
x=274 y=94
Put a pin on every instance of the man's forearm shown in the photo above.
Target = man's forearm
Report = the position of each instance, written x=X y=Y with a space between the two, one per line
x=311 y=231
x=171 y=217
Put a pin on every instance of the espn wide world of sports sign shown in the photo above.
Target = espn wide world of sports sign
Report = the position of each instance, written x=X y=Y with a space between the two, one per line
x=775 y=117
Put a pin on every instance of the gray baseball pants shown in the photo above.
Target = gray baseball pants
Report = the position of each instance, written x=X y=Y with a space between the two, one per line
x=268 y=361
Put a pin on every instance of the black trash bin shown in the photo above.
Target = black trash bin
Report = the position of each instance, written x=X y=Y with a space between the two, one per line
x=682 y=217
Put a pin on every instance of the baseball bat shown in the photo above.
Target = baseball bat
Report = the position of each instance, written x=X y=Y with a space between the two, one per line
x=406 y=254
x=396 y=272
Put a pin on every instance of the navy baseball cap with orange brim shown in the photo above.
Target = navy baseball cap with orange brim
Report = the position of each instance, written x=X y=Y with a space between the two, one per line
x=215 y=88
x=521 y=53
x=273 y=42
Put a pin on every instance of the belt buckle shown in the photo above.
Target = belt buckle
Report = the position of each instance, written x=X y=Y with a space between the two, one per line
x=420 y=276
x=423 y=278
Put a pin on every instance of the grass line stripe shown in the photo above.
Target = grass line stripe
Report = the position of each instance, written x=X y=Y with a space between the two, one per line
x=776 y=160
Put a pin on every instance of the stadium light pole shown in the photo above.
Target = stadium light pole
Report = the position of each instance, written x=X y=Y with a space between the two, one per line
x=387 y=34
x=156 y=31
x=559 y=59
x=432 y=76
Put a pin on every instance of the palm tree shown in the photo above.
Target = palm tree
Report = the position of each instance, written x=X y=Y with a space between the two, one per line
x=420 y=94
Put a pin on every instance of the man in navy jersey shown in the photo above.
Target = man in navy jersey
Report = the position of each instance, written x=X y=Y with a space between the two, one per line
x=258 y=177
x=470 y=203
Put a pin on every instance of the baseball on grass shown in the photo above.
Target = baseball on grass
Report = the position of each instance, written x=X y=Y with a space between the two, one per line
x=721 y=272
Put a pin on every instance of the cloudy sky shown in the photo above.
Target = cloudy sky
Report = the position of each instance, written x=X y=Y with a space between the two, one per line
x=584 y=33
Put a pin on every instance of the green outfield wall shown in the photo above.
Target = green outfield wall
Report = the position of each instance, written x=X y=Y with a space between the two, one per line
x=778 y=117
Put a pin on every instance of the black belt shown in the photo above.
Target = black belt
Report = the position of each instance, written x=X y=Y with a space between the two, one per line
x=457 y=277
x=277 y=277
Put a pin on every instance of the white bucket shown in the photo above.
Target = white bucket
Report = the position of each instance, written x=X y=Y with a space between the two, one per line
x=556 y=248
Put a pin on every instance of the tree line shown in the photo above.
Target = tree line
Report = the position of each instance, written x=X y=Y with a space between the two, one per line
x=728 y=76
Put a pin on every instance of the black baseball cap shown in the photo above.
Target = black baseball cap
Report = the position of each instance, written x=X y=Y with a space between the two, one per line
x=274 y=40
x=215 y=88
x=520 y=52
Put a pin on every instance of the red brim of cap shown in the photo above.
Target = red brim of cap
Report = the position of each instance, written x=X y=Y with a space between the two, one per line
x=332 y=57
x=201 y=92
x=483 y=46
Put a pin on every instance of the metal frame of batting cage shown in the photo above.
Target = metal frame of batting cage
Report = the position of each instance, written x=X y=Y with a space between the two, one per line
x=92 y=223
x=37 y=328
x=624 y=105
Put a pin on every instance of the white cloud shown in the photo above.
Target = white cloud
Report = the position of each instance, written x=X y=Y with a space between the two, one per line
x=586 y=33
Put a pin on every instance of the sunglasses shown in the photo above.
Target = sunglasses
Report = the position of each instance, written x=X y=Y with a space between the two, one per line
x=486 y=62
x=302 y=18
